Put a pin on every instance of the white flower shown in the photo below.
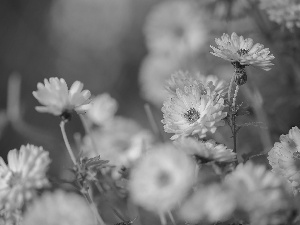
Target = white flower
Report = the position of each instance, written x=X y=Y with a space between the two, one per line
x=102 y=109
x=161 y=179
x=180 y=34
x=210 y=203
x=195 y=109
x=241 y=52
x=25 y=172
x=206 y=151
x=58 y=100
x=261 y=194
x=284 y=157
x=59 y=208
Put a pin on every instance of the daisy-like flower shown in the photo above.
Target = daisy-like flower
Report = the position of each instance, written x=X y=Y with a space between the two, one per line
x=206 y=151
x=261 y=194
x=24 y=173
x=241 y=53
x=103 y=109
x=283 y=12
x=195 y=109
x=284 y=157
x=180 y=34
x=211 y=203
x=161 y=179
x=59 y=208
x=60 y=101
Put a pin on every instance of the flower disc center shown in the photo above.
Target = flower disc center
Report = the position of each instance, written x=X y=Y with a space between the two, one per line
x=192 y=115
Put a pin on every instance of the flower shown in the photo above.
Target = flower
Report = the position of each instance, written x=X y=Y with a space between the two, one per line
x=284 y=12
x=195 y=109
x=261 y=194
x=161 y=179
x=60 y=101
x=103 y=108
x=180 y=34
x=210 y=203
x=284 y=157
x=25 y=172
x=206 y=151
x=59 y=208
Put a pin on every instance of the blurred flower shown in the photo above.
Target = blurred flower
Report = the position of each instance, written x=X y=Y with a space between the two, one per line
x=121 y=141
x=161 y=179
x=25 y=172
x=206 y=151
x=284 y=12
x=102 y=109
x=261 y=194
x=59 y=208
x=60 y=101
x=241 y=52
x=211 y=203
x=284 y=157
x=180 y=34
x=195 y=109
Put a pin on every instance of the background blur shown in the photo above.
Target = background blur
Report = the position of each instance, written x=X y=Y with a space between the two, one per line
x=114 y=46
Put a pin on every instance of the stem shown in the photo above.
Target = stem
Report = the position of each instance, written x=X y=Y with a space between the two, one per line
x=63 y=131
x=234 y=96
x=229 y=89
x=152 y=122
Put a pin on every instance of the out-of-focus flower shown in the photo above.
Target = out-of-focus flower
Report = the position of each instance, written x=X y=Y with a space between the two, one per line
x=211 y=203
x=286 y=12
x=102 y=109
x=59 y=208
x=241 y=51
x=206 y=151
x=180 y=34
x=195 y=109
x=261 y=194
x=161 y=179
x=121 y=141
x=60 y=101
x=25 y=172
x=284 y=157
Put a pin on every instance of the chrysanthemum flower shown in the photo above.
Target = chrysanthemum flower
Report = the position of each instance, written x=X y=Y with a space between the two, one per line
x=284 y=157
x=60 y=101
x=211 y=203
x=161 y=179
x=261 y=194
x=206 y=151
x=102 y=109
x=195 y=109
x=25 y=172
x=59 y=208
x=180 y=34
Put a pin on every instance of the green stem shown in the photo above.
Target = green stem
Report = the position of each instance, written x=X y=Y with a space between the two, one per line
x=229 y=89
x=63 y=131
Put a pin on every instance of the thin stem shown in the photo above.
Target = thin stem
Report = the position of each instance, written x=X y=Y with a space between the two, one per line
x=233 y=117
x=152 y=122
x=229 y=89
x=234 y=96
x=171 y=217
x=63 y=131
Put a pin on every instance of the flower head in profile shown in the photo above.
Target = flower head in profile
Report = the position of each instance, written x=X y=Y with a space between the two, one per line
x=206 y=151
x=102 y=109
x=161 y=179
x=284 y=157
x=193 y=109
x=24 y=173
x=60 y=101
x=59 y=208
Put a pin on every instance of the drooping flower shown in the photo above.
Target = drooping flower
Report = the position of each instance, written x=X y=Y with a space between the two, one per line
x=161 y=179
x=284 y=157
x=261 y=194
x=60 y=101
x=283 y=12
x=210 y=203
x=102 y=109
x=180 y=34
x=59 y=208
x=24 y=173
x=195 y=109
x=206 y=151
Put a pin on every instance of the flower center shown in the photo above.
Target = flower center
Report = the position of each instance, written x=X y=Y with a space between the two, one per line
x=243 y=51
x=192 y=115
x=163 y=179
